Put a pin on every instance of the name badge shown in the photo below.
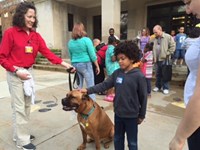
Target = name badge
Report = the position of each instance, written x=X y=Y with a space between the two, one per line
x=28 y=49
x=119 y=80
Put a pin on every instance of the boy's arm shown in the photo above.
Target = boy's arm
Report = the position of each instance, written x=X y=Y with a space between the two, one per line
x=142 y=96
x=101 y=87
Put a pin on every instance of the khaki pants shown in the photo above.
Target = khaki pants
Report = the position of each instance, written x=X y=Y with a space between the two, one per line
x=21 y=109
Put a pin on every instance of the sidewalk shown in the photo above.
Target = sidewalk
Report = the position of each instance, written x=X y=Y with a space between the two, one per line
x=57 y=130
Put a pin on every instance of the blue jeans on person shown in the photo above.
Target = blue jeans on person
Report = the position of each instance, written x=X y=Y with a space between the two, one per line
x=159 y=82
x=85 y=71
x=148 y=80
x=128 y=126
x=193 y=140
x=179 y=54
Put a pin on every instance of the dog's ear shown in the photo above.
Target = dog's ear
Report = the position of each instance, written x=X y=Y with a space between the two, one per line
x=85 y=97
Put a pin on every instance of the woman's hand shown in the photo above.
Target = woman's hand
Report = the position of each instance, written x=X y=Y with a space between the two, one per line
x=97 y=67
x=68 y=66
x=97 y=70
x=176 y=144
x=23 y=75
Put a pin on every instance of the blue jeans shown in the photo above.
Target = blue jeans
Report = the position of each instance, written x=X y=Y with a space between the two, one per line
x=128 y=126
x=159 y=82
x=179 y=54
x=85 y=70
x=193 y=140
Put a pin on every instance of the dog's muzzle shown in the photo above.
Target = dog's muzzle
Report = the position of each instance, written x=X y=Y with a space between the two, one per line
x=68 y=106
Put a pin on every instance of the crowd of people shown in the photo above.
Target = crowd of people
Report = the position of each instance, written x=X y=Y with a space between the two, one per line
x=107 y=68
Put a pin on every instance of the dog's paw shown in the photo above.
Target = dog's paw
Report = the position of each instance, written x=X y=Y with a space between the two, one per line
x=90 y=140
x=106 y=145
x=81 y=147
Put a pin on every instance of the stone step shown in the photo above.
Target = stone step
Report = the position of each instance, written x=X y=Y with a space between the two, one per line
x=44 y=61
x=49 y=67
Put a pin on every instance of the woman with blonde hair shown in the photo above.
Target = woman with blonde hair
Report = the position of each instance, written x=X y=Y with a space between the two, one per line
x=144 y=38
x=82 y=55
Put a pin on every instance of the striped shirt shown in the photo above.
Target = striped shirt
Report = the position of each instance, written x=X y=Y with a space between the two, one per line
x=148 y=65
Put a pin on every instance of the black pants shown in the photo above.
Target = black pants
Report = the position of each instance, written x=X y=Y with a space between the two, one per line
x=194 y=140
x=100 y=77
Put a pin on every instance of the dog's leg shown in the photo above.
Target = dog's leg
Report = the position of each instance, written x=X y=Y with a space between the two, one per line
x=90 y=140
x=84 y=135
x=107 y=141
x=97 y=142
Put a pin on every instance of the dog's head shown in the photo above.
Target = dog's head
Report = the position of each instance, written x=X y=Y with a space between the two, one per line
x=75 y=100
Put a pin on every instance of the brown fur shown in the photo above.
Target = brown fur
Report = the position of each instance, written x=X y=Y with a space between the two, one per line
x=97 y=125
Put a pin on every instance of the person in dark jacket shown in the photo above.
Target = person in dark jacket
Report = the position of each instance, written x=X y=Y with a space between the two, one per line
x=130 y=95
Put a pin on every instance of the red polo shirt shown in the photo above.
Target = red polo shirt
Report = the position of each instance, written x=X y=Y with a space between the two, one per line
x=13 y=53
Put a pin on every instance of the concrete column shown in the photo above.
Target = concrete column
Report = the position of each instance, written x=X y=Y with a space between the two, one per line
x=45 y=17
x=111 y=10
x=53 y=28
x=136 y=17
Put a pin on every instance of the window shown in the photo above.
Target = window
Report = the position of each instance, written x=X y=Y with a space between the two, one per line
x=123 y=25
x=70 y=22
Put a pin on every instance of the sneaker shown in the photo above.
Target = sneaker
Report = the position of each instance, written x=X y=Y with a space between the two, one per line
x=165 y=91
x=29 y=146
x=156 y=89
x=31 y=138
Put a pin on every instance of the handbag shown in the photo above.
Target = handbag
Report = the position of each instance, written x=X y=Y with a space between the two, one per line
x=167 y=70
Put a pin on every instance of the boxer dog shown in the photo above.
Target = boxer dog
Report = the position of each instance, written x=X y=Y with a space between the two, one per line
x=93 y=121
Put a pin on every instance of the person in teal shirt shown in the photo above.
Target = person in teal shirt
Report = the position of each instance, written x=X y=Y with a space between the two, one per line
x=82 y=55
x=111 y=65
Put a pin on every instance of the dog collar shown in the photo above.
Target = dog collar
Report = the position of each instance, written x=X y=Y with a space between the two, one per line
x=85 y=116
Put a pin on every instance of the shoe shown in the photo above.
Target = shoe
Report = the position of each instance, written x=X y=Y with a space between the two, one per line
x=165 y=91
x=29 y=146
x=31 y=138
x=156 y=89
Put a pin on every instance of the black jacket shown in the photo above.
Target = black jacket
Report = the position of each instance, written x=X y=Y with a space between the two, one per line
x=130 y=92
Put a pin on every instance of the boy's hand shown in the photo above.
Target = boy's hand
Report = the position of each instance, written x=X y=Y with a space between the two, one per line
x=83 y=90
x=140 y=120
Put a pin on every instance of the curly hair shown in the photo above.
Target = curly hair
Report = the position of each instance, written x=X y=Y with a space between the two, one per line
x=21 y=10
x=129 y=49
x=194 y=33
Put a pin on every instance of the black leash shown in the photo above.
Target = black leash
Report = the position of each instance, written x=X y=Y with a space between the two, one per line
x=76 y=80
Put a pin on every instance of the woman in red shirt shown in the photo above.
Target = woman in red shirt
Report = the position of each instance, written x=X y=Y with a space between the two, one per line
x=18 y=50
